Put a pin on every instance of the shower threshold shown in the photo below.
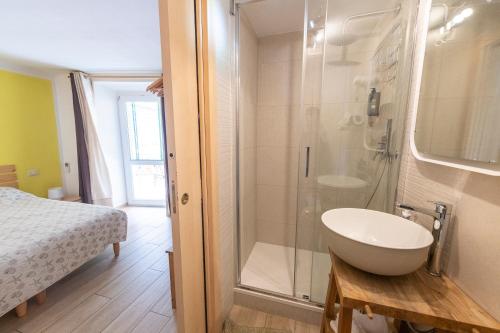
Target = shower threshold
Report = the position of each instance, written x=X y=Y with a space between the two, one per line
x=271 y=267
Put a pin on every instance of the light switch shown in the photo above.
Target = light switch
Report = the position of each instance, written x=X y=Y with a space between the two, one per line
x=33 y=172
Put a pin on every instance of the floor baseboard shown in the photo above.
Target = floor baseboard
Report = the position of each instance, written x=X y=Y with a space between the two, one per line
x=308 y=313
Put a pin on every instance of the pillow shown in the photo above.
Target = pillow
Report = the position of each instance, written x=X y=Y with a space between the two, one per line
x=10 y=194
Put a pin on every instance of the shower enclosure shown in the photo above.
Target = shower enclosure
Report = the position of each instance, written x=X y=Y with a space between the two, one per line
x=321 y=108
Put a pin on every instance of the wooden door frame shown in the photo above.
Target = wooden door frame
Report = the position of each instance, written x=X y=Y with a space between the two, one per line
x=208 y=149
x=188 y=66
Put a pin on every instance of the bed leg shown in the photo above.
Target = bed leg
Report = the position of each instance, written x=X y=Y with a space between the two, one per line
x=41 y=297
x=116 y=249
x=22 y=309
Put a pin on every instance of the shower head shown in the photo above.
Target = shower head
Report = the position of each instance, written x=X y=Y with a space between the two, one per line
x=343 y=39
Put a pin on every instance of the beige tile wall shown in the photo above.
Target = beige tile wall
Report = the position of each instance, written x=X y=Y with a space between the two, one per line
x=279 y=84
x=472 y=254
x=248 y=67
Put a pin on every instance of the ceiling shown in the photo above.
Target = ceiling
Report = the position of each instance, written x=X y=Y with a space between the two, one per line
x=91 y=35
x=124 y=86
x=272 y=17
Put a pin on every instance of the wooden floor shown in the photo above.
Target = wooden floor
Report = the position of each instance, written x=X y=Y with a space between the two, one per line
x=130 y=293
x=252 y=318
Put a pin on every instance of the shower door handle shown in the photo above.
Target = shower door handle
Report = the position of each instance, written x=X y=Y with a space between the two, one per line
x=308 y=150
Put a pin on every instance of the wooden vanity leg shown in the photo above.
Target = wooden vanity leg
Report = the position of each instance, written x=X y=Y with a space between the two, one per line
x=22 y=309
x=172 y=276
x=345 y=320
x=331 y=296
x=41 y=297
x=396 y=326
x=116 y=249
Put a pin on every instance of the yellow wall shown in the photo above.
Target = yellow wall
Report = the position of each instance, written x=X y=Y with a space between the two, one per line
x=28 y=131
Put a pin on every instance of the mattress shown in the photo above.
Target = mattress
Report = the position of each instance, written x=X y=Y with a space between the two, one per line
x=42 y=240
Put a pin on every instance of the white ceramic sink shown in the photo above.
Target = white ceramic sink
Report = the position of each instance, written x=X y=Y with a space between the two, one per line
x=377 y=242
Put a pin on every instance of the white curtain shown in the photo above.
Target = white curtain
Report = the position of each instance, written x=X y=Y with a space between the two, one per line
x=99 y=174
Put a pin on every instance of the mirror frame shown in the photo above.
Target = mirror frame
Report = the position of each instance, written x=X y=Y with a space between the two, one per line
x=416 y=80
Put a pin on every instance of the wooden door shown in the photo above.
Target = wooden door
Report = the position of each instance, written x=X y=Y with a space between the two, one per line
x=178 y=40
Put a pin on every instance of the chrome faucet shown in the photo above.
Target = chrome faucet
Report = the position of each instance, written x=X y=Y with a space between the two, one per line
x=441 y=215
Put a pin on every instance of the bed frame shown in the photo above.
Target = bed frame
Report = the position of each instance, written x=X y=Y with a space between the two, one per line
x=8 y=178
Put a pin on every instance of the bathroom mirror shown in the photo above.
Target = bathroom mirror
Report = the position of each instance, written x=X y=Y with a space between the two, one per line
x=457 y=119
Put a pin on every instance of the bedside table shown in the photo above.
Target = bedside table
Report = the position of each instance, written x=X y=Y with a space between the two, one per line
x=72 y=198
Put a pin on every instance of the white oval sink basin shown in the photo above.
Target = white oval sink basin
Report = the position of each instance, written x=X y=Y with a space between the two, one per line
x=377 y=242
x=341 y=181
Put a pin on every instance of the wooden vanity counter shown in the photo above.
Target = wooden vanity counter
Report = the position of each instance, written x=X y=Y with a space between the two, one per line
x=417 y=297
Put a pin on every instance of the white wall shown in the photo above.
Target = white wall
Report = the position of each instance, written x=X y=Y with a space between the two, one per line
x=63 y=100
x=108 y=128
x=107 y=122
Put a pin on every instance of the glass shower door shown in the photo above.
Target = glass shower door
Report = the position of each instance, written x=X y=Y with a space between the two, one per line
x=269 y=66
x=320 y=114
x=310 y=112
x=353 y=113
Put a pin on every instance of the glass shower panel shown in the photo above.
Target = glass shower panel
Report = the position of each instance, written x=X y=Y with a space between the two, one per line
x=312 y=71
x=269 y=36
x=320 y=114
x=351 y=131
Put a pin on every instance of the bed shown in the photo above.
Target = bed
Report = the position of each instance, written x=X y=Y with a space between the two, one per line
x=42 y=241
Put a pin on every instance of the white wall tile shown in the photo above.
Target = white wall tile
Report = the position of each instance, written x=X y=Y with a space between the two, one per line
x=278 y=136
x=248 y=66
x=278 y=165
x=221 y=29
x=276 y=203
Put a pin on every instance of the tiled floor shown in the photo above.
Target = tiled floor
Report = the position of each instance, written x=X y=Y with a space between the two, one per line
x=252 y=318
x=128 y=294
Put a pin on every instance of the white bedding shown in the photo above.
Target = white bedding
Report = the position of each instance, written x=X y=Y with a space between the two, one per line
x=42 y=240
